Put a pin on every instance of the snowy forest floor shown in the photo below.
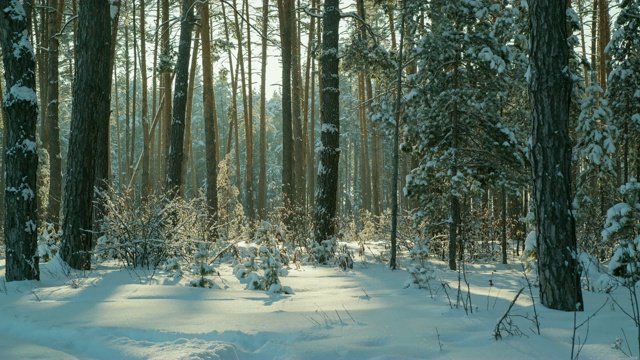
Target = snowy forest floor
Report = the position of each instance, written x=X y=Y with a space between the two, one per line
x=364 y=313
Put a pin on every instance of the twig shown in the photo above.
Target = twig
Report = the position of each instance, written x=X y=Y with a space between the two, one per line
x=496 y=333
x=348 y=313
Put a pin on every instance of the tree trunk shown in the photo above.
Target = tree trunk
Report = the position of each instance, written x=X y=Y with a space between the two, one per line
x=3 y=146
x=165 y=66
x=365 y=171
x=90 y=108
x=55 y=156
x=21 y=155
x=233 y=121
x=262 y=176
x=288 y=185
x=146 y=134
x=247 y=100
x=103 y=140
x=210 y=116
x=309 y=92
x=549 y=96
x=604 y=36
x=127 y=105
x=188 y=143
x=176 y=150
x=299 y=178
x=504 y=225
x=325 y=213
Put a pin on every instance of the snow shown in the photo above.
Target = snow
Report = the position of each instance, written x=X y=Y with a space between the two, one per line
x=364 y=313
x=15 y=10
x=113 y=9
x=22 y=46
x=19 y=92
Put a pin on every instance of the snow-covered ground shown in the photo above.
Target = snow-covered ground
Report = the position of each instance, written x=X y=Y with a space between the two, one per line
x=365 y=313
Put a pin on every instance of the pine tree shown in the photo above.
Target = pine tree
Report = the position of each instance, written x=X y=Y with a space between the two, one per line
x=456 y=120
x=595 y=153
x=175 y=156
x=91 y=100
x=327 y=185
x=21 y=156
x=549 y=95
x=623 y=91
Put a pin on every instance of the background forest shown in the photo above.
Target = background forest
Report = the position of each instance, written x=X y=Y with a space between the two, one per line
x=443 y=81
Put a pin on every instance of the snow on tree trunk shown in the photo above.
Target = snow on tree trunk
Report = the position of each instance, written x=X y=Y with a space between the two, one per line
x=549 y=96
x=327 y=186
x=90 y=108
x=21 y=156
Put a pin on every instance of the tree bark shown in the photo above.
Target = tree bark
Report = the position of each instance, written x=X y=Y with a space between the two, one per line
x=210 y=116
x=55 y=156
x=299 y=176
x=165 y=65
x=21 y=155
x=176 y=150
x=262 y=175
x=549 y=96
x=604 y=36
x=327 y=186
x=90 y=108
x=288 y=185
x=188 y=143
x=146 y=134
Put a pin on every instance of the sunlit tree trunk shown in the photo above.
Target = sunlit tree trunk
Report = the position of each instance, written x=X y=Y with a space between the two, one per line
x=248 y=129
x=153 y=151
x=127 y=105
x=248 y=183
x=288 y=185
x=188 y=144
x=210 y=116
x=262 y=176
x=299 y=178
x=165 y=128
x=233 y=117
x=146 y=133
x=308 y=120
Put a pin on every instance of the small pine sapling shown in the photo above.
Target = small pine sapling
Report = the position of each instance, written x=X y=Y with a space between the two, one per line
x=322 y=252
x=344 y=258
x=201 y=267
x=263 y=264
x=422 y=272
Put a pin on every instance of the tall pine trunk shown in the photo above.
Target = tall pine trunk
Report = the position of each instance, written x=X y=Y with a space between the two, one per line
x=288 y=186
x=262 y=175
x=327 y=186
x=176 y=150
x=90 y=108
x=146 y=133
x=21 y=155
x=55 y=155
x=549 y=96
x=210 y=117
